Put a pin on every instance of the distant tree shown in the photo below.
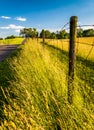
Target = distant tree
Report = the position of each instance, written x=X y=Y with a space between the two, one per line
x=34 y=33
x=62 y=34
x=10 y=37
x=80 y=32
x=29 y=32
x=88 y=33
x=1 y=38
x=26 y=32
x=59 y=34
x=47 y=34
x=41 y=34
x=53 y=35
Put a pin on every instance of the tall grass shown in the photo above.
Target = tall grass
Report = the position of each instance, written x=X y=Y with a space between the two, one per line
x=34 y=92
x=83 y=46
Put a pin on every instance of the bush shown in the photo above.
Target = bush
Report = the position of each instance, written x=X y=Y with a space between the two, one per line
x=1 y=38
x=10 y=37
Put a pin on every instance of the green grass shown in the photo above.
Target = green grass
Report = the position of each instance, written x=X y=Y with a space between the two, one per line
x=11 y=41
x=33 y=92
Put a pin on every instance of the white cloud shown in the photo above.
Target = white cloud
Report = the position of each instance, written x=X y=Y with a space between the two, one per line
x=88 y=27
x=17 y=31
x=85 y=27
x=20 y=19
x=12 y=26
x=5 y=17
x=5 y=27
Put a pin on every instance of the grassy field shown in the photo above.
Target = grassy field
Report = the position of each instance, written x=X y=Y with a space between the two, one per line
x=11 y=41
x=81 y=48
x=33 y=90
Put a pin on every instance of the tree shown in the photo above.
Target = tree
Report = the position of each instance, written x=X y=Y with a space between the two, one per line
x=59 y=34
x=62 y=34
x=88 y=33
x=10 y=37
x=53 y=35
x=47 y=34
x=26 y=32
x=80 y=32
x=29 y=32
x=34 y=33
x=1 y=38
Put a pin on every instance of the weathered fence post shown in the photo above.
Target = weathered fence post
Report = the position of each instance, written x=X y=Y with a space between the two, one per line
x=43 y=35
x=37 y=37
x=72 y=57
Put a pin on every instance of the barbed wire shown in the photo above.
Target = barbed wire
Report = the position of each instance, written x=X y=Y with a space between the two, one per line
x=85 y=26
x=65 y=26
x=85 y=43
x=84 y=68
x=90 y=51
x=92 y=45
x=85 y=62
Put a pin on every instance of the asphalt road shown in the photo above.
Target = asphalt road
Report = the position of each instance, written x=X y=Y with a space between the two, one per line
x=5 y=51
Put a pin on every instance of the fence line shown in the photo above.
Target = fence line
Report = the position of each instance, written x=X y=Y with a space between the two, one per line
x=85 y=26
x=90 y=51
x=85 y=63
x=85 y=43
x=64 y=26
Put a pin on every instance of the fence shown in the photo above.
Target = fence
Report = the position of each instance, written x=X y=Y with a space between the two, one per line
x=81 y=58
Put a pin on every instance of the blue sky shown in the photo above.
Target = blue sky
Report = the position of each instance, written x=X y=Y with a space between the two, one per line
x=42 y=14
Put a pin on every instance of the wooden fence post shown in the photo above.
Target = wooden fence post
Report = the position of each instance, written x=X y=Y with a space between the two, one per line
x=72 y=57
x=43 y=35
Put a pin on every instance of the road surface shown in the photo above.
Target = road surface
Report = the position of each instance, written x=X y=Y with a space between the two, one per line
x=5 y=50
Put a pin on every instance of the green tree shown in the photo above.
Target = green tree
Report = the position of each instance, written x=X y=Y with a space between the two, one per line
x=47 y=34
x=80 y=32
x=34 y=33
x=26 y=32
x=88 y=33
x=10 y=37
x=29 y=32
x=1 y=38
x=53 y=35
x=62 y=34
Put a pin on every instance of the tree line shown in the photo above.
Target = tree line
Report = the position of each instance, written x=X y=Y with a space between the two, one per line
x=29 y=32
x=85 y=33
x=63 y=34
x=11 y=37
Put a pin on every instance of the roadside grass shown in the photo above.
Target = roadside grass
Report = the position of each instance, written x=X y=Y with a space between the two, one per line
x=34 y=91
x=11 y=41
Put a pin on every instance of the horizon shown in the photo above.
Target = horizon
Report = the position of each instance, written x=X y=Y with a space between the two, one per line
x=51 y=15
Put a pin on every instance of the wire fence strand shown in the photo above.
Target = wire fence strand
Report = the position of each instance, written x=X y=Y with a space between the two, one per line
x=84 y=62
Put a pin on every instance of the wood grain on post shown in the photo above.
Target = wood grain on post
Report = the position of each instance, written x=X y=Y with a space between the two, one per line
x=72 y=57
